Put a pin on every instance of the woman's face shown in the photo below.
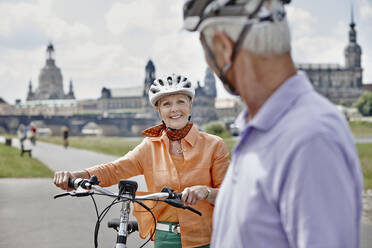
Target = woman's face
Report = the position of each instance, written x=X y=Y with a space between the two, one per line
x=175 y=110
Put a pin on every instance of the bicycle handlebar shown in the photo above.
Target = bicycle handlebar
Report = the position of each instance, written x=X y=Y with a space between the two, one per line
x=171 y=198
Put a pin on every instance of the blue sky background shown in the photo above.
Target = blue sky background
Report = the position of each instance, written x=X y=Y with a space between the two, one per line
x=108 y=43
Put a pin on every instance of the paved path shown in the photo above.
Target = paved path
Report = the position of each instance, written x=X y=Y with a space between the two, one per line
x=30 y=217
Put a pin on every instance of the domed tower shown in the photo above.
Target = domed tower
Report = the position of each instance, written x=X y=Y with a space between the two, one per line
x=353 y=53
x=210 y=83
x=149 y=77
x=50 y=78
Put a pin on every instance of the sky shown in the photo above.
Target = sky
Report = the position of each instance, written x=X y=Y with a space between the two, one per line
x=108 y=43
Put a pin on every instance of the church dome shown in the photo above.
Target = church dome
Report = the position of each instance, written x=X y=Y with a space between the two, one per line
x=50 y=79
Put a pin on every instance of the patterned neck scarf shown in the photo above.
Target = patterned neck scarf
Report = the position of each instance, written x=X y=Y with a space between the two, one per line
x=172 y=134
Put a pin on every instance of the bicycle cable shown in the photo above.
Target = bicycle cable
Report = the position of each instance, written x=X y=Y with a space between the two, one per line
x=99 y=220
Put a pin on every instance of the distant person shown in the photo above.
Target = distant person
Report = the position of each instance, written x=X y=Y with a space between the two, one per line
x=174 y=154
x=32 y=131
x=295 y=179
x=64 y=131
x=22 y=133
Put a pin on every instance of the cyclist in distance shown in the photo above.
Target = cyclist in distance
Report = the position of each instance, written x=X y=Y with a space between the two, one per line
x=173 y=154
x=295 y=178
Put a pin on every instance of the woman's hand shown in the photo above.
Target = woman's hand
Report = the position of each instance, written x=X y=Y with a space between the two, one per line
x=191 y=195
x=61 y=178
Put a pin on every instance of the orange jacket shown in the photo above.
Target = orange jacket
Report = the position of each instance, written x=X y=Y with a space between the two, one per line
x=206 y=159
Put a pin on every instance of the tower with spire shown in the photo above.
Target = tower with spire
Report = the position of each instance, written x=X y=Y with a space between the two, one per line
x=210 y=83
x=353 y=54
x=70 y=94
x=204 y=100
x=149 y=79
x=30 y=94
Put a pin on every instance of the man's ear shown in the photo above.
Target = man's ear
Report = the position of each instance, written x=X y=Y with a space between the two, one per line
x=222 y=47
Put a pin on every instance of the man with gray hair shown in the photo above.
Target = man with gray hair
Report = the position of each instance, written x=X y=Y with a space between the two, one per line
x=295 y=179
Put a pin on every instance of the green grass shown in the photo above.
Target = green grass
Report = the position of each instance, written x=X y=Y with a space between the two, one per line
x=13 y=165
x=361 y=129
x=365 y=156
x=108 y=145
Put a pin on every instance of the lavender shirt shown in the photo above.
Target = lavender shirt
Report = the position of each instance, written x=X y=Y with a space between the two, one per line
x=295 y=179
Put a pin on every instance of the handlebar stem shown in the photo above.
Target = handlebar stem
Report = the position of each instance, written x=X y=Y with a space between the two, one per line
x=121 y=241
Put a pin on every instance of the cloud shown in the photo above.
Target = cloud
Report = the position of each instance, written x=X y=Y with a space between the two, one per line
x=318 y=49
x=301 y=21
x=366 y=9
x=309 y=45
x=35 y=20
x=156 y=16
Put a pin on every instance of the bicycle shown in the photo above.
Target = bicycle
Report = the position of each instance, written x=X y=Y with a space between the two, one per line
x=126 y=195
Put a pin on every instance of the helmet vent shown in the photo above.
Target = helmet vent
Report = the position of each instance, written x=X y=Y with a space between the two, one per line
x=161 y=82
x=169 y=79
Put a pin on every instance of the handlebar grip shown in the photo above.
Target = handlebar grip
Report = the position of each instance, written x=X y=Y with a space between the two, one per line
x=71 y=182
x=132 y=226
x=74 y=183
x=178 y=195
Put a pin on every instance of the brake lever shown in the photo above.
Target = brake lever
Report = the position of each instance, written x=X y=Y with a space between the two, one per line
x=74 y=193
x=193 y=210
x=177 y=203
x=61 y=195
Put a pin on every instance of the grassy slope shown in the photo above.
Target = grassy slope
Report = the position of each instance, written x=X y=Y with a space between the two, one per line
x=13 y=165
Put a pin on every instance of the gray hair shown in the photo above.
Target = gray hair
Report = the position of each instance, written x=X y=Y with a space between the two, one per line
x=264 y=39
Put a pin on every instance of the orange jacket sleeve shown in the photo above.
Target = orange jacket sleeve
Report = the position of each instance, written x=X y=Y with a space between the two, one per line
x=125 y=167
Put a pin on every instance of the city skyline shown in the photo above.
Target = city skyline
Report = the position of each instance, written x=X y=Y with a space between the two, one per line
x=107 y=44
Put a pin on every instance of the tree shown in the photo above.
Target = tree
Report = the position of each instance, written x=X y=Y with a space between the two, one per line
x=364 y=103
x=216 y=128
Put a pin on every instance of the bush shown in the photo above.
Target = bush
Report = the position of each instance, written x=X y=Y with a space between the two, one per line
x=217 y=128
x=364 y=104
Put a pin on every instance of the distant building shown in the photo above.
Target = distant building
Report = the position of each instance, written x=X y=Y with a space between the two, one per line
x=128 y=100
x=203 y=109
x=50 y=81
x=340 y=84
x=5 y=108
x=228 y=108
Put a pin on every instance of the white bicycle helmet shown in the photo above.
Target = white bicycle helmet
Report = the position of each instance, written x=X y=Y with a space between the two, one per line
x=175 y=84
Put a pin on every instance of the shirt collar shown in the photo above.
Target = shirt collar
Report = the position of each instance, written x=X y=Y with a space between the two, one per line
x=277 y=104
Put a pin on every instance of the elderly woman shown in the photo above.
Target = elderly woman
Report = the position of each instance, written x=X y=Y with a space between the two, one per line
x=174 y=154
